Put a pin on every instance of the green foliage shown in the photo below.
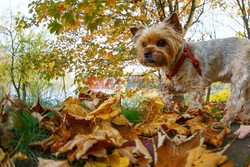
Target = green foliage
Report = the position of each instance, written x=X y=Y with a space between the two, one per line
x=54 y=27
x=131 y=111
x=94 y=37
x=79 y=163
x=26 y=130
x=133 y=114
x=25 y=52
x=214 y=112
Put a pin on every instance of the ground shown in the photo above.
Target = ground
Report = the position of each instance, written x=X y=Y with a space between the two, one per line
x=240 y=149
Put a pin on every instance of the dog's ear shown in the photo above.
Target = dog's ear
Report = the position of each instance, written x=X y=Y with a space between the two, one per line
x=173 y=20
x=133 y=30
x=136 y=31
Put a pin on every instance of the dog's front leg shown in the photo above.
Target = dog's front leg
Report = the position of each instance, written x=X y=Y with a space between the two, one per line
x=196 y=97
x=165 y=93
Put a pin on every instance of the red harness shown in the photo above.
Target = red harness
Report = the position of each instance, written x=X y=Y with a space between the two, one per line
x=186 y=53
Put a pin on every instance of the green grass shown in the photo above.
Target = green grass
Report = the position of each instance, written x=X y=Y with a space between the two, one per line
x=26 y=130
x=133 y=115
x=131 y=110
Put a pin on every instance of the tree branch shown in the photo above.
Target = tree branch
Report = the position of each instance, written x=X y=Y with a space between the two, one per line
x=176 y=6
x=170 y=6
x=190 y=18
x=202 y=11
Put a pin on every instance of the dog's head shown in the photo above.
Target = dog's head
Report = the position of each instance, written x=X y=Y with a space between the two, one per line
x=158 y=45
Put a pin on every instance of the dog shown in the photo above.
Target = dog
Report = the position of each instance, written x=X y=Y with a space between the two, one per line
x=192 y=66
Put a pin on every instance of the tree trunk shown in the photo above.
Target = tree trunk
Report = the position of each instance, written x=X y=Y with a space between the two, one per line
x=24 y=92
x=208 y=94
x=16 y=87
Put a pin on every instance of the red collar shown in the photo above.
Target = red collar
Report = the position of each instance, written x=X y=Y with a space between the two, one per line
x=186 y=53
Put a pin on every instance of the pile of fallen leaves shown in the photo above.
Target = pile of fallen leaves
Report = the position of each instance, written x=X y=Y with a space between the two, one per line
x=92 y=129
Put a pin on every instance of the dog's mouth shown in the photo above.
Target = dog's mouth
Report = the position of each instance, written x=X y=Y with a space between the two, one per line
x=150 y=61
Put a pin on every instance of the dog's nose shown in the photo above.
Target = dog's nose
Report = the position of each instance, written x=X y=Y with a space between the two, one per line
x=147 y=54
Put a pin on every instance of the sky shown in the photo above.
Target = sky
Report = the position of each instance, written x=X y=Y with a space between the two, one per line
x=14 y=6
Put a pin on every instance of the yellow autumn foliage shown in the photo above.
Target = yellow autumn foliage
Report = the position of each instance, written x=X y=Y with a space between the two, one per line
x=221 y=95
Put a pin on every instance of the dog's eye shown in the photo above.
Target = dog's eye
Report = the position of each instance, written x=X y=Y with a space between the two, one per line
x=144 y=44
x=161 y=43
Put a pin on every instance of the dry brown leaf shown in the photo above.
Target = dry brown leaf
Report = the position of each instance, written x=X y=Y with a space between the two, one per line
x=73 y=106
x=113 y=160
x=18 y=103
x=155 y=118
x=7 y=160
x=177 y=106
x=215 y=137
x=79 y=125
x=196 y=124
x=128 y=152
x=127 y=132
x=37 y=107
x=178 y=139
x=150 y=126
x=97 y=150
x=93 y=99
x=151 y=107
x=201 y=157
x=91 y=95
x=80 y=146
x=107 y=110
x=171 y=155
x=178 y=128
x=121 y=120
x=52 y=163
x=230 y=163
x=147 y=159
x=112 y=133
x=2 y=155
x=57 y=139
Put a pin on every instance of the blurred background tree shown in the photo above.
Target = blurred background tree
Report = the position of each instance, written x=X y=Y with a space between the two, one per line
x=94 y=36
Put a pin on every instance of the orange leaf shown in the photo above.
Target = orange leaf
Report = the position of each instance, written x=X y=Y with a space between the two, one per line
x=171 y=155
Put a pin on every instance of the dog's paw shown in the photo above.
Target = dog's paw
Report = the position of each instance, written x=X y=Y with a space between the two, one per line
x=219 y=125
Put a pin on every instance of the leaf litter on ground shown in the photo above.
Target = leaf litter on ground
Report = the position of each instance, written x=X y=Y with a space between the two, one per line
x=100 y=135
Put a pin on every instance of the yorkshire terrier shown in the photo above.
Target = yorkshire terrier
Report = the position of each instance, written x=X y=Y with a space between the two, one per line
x=192 y=66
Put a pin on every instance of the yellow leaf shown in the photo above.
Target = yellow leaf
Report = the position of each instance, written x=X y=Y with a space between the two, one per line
x=72 y=106
x=2 y=155
x=106 y=110
x=180 y=129
x=121 y=120
x=112 y=133
x=114 y=160
x=52 y=163
x=111 y=2
x=200 y=157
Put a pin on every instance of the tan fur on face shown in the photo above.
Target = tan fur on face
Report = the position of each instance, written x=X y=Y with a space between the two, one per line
x=163 y=56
